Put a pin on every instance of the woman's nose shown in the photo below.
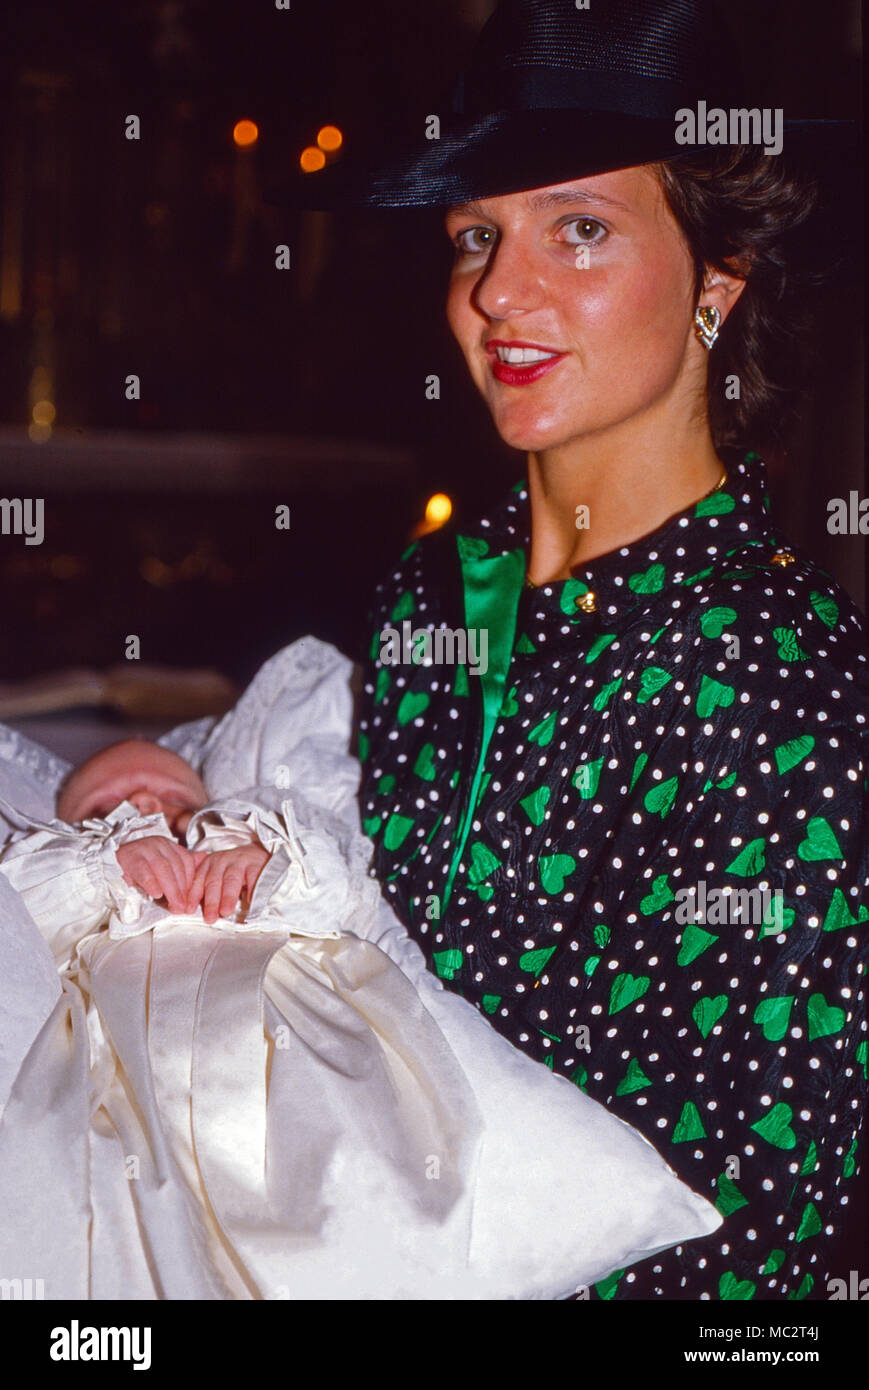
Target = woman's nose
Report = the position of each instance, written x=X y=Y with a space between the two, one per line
x=510 y=284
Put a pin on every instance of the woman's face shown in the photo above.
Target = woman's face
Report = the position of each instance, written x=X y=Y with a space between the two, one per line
x=573 y=305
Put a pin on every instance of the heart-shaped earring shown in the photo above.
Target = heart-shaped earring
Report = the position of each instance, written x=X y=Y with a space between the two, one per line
x=707 y=319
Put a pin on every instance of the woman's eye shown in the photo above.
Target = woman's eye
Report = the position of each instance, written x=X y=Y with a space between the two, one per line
x=475 y=241
x=584 y=231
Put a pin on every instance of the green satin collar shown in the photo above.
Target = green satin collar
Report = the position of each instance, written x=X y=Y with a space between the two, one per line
x=492 y=586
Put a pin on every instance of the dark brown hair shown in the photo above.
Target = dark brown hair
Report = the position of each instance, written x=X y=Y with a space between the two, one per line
x=741 y=212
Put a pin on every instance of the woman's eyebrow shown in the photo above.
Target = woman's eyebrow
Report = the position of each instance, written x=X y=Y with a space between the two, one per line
x=542 y=202
x=466 y=210
x=556 y=197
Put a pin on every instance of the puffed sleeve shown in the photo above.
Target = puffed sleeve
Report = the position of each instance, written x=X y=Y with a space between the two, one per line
x=749 y=1035
x=70 y=878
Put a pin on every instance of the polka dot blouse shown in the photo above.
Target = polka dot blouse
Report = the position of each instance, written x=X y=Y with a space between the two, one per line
x=648 y=863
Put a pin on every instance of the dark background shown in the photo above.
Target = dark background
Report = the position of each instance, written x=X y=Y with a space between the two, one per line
x=259 y=387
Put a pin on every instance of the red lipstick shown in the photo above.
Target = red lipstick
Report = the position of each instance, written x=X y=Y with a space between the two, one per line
x=519 y=373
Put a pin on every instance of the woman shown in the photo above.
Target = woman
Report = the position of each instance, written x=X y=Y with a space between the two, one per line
x=674 y=705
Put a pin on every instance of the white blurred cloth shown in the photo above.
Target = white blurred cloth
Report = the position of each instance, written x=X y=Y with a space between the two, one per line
x=289 y=1105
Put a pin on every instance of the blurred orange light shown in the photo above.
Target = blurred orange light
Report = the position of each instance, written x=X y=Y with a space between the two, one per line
x=156 y=572
x=438 y=509
x=330 y=138
x=43 y=413
x=245 y=133
x=312 y=159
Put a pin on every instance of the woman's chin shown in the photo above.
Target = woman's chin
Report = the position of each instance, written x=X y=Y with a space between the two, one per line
x=531 y=435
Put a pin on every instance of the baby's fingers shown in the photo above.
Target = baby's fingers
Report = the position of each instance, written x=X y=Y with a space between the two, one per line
x=172 y=877
x=186 y=864
x=145 y=878
x=233 y=881
x=154 y=877
x=212 y=890
x=251 y=878
x=194 y=892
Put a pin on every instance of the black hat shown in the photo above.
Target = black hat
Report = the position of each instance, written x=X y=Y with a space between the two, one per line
x=556 y=91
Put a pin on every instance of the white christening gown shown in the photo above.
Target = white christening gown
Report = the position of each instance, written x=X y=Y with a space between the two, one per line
x=290 y=1106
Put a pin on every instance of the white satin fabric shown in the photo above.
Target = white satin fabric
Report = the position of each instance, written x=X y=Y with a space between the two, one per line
x=211 y=1115
x=289 y=1106
x=259 y=1108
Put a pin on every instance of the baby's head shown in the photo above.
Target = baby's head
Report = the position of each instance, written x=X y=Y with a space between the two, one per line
x=149 y=776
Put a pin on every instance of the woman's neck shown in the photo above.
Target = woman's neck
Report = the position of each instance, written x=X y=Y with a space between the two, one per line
x=629 y=480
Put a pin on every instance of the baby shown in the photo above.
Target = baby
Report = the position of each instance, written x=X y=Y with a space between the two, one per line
x=157 y=782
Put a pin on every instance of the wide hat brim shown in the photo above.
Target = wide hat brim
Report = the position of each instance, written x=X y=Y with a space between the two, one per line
x=511 y=151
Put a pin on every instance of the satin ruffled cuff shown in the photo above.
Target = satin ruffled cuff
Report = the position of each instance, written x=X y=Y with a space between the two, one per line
x=305 y=883
x=101 y=861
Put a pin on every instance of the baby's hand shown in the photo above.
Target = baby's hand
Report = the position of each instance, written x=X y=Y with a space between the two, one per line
x=161 y=868
x=223 y=876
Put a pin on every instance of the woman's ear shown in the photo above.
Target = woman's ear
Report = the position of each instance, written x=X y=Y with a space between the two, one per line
x=721 y=290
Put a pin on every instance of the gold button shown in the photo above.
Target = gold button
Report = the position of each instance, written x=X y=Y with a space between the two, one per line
x=782 y=557
x=587 y=602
